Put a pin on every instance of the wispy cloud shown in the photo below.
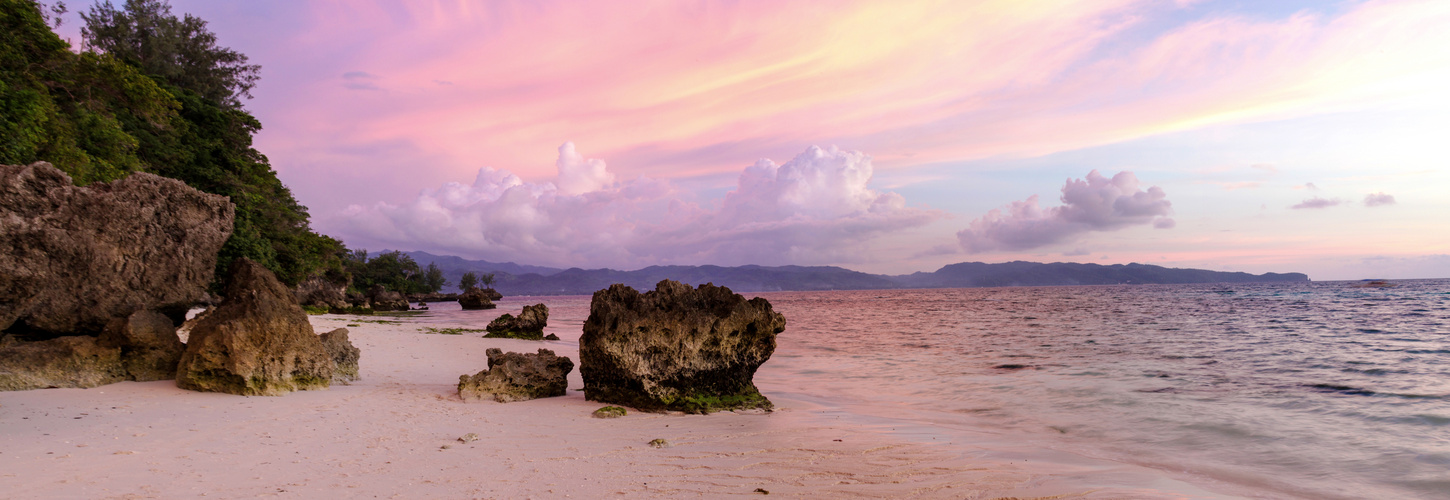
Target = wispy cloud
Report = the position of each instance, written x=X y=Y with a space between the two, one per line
x=1316 y=202
x=1378 y=199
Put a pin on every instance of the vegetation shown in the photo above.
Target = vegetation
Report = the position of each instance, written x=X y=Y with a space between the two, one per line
x=394 y=270
x=153 y=93
x=448 y=331
x=468 y=281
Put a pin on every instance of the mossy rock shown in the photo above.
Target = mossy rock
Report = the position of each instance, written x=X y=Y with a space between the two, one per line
x=610 y=412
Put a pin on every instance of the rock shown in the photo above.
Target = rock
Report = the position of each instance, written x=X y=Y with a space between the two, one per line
x=320 y=293
x=528 y=325
x=551 y=337
x=610 y=412
x=73 y=258
x=517 y=377
x=491 y=293
x=676 y=348
x=468 y=438
x=74 y=361
x=257 y=342
x=150 y=349
x=384 y=300
x=660 y=443
x=475 y=299
x=344 y=356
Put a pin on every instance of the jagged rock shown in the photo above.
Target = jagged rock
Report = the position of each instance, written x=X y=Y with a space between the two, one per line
x=319 y=292
x=75 y=361
x=676 y=348
x=344 y=355
x=551 y=337
x=528 y=325
x=73 y=258
x=475 y=299
x=257 y=342
x=150 y=349
x=517 y=377
x=491 y=293
x=385 y=300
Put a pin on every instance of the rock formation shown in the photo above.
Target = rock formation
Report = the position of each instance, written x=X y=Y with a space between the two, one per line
x=517 y=377
x=344 y=355
x=475 y=299
x=257 y=342
x=528 y=325
x=321 y=293
x=74 y=258
x=491 y=293
x=385 y=300
x=676 y=348
x=150 y=349
x=141 y=347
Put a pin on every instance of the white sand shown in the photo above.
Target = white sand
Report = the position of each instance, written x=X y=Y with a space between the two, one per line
x=394 y=435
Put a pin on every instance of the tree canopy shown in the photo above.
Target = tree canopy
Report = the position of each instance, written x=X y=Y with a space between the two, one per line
x=395 y=271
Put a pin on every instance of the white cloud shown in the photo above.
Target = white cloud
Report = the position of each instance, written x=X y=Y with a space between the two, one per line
x=1316 y=202
x=1378 y=199
x=815 y=208
x=1095 y=203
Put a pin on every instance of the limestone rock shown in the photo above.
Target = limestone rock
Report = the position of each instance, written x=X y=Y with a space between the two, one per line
x=475 y=299
x=491 y=293
x=73 y=258
x=676 y=348
x=319 y=292
x=257 y=342
x=74 y=361
x=517 y=377
x=344 y=355
x=150 y=349
x=385 y=300
x=528 y=325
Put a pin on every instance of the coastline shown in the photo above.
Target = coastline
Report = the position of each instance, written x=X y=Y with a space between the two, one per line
x=394 y=435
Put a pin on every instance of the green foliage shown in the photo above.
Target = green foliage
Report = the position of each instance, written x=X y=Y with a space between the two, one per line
x=468 y=281
x=394 y=270
x=487 y=279
x=433 y=279
x=180 y=51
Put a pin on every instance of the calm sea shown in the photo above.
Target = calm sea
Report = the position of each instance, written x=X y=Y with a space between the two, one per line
x=1313 y=390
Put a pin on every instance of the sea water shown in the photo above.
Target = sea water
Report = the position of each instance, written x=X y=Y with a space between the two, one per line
x=1310 y=390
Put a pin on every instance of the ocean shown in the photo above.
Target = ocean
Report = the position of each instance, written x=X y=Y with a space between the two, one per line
x=1302 y=390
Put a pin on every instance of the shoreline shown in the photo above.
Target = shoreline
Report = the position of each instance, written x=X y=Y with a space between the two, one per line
x=394 y=434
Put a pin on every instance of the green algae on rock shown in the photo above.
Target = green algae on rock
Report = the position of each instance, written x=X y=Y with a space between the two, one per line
x=516 y=376
x=528 y=325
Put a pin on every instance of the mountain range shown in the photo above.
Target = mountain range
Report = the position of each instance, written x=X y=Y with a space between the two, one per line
x=520 y=279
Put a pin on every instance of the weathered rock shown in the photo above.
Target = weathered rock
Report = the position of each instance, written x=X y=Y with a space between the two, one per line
x=528 y=325
x=344 y=355
x=74 y=361
x=150 y=349
x=73 y=258
x=676 y=348
x=385 y=300
x=610 y=412
x=491 y=293
x=257 y=342
x=517 y=377
x=321 y=293
x=475 y=299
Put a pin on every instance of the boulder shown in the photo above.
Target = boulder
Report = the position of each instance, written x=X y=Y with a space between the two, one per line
x=677 y=348
x=344 y=355
x=516 y=376
x=385 y=300
x=150 y=349
x=74 y=361
x=320 y=293
x=491 y=293
x=475 y=299
x=528 y=325
x=258 y=342
x=74 y=258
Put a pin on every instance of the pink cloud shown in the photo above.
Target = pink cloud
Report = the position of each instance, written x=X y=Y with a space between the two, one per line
x=1378 y=199
x=1095 y=203
x=1316 y=202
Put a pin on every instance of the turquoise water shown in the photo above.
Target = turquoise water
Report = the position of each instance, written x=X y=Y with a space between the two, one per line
x=1312 y=390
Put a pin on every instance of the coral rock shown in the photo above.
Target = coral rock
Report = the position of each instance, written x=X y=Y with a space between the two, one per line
x=344 y=356
x=150 y=349
x=528 y=325
x=475 y=299
x=515 y=376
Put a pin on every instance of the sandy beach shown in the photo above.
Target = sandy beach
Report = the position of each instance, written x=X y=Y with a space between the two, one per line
x=395 y=434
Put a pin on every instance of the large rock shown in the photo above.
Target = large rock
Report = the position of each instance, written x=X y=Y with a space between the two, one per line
x=73 y=258
x=74 y=361
x=257 y=342
x=319 y=292
x=677 y=348
x=515 y=376
x=385 y=300
x=475 y=299
x=344 y=356
x=150 y=349
x=528 y=325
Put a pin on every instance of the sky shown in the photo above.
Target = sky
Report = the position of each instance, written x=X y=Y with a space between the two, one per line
x=886 y=137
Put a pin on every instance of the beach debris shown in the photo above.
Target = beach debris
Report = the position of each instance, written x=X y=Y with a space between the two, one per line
x=516 y=376
x=344 y=356
x=762 y=491
x=528 y=325
x=475 y=299
x=386 y=300
x=468 y=438
x=610 y=412
x=72 y=258
x=660 y=443
x=258 y=342
x=677 y=348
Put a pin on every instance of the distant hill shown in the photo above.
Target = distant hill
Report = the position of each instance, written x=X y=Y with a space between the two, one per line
x=518 y=279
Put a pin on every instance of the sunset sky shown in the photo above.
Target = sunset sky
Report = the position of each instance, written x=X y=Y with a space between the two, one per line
x=886 y=137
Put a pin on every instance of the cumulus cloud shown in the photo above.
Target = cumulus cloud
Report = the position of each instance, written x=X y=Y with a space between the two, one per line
x=1378 y=199
x=1316 y=202
x=1095 y=203
x=815 y=208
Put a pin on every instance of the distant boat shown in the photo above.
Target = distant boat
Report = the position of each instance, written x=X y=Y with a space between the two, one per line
x=1374 y=284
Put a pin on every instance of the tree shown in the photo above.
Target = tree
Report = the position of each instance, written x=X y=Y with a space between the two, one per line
x=487 y=279
x=179 y=51
x=433 y=279
x=468 y=281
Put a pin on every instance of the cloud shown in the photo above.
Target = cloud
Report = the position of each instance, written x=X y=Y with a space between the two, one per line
x=359 y=80
x=1317 y=202
x=1267 y=167
x=1378 y=199
x=1096 y=203
x=816 y=207
x=1308 y=185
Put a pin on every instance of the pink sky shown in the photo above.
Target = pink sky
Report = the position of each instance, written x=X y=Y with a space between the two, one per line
x=886 y=137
